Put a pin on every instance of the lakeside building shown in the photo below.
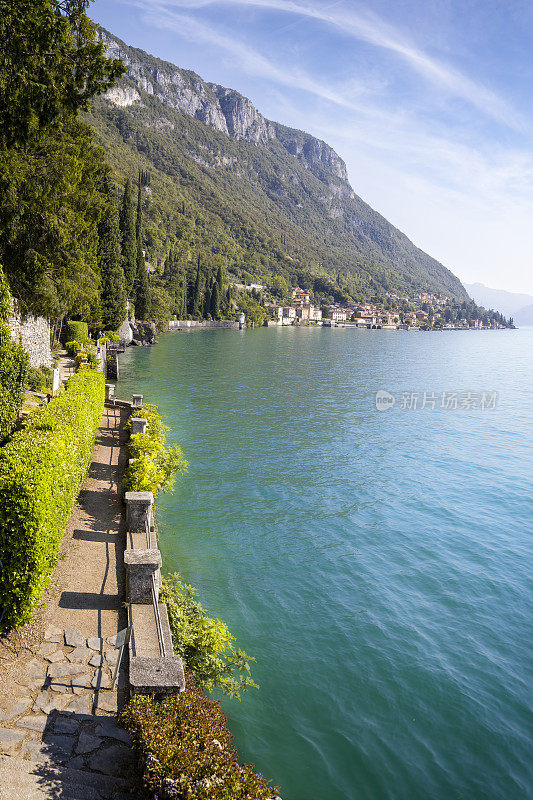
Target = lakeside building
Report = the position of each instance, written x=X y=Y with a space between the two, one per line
x=301 y=296
x=287 y=315
x=338 y=314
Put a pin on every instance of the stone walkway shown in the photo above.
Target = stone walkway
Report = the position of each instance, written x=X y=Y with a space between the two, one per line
x=66 y=365
x=58 y=733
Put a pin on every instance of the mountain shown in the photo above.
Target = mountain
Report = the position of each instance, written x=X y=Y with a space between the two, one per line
x=262 y=198
x=511 y=304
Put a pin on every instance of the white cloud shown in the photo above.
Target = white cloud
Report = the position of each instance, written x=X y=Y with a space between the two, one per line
x=370 y=28
x=465 y=200
x=251 y=60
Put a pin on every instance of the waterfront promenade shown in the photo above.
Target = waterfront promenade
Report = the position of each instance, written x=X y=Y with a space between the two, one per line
x=58 y=735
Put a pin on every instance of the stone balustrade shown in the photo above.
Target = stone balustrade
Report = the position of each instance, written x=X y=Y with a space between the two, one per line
x=154 y=669
x=138 y=425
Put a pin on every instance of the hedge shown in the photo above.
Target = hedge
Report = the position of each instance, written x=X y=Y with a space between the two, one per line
x=187 y=750
x=14 y=364
x=77 y=331
x=41 y=469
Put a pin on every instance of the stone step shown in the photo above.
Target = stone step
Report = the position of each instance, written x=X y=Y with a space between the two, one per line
x=27 y=780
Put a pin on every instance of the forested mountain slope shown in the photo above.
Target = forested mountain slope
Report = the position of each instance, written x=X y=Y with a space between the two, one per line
x=253 y=195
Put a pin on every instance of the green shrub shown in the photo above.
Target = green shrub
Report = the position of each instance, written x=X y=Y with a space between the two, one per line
x=156 y=427
x=77 y=331
x=185 y=739
x=205 y=644
x=71 y=347
x=41 y=469
x=56 y=353
x=155 y=465
x=14 y=364
x=111 y=335
x=39 y=379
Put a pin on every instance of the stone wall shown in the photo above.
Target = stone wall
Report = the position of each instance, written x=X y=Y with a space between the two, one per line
x=34 y=332
x=181 y=324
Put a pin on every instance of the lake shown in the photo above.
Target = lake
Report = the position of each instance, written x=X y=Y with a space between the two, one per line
x=377 y=563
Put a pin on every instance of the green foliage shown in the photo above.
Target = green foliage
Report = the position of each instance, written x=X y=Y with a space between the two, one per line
x=41 y=469
x=253 y=209
x=50 y=206
x=88 y=358
x=14 y=365
x=205 y=644
x=189 y=743
x=252 y=308
x=154 y=465
x=113 y=283
x=140 y=287
x=39 y=379
x=155 y=428
x=160 y=305
x=71 y=347
x=75 y=331
x=174 y=279
x=50 y=63
x=129 y=244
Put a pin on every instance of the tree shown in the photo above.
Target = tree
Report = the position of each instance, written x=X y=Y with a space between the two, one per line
x=207 y=302
x=215 y=301
x=51 y=64
x=197 y=300
x=113 y=287
x=220 y=281
x=141 y=291
x=50 y=207
x=181 y=290
x=160 y=305
x=14 y=363
x=128 y=234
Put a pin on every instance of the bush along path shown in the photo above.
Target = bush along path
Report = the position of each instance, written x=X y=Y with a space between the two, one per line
x=59 y=737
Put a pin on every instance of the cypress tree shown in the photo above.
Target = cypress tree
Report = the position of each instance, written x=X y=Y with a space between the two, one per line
x=220 y=281
x=113 y=289
x=207 y=301
x=141 y=291
x=183 y=305
x=139 y=217
x=215 y=301
x=181 y=288
x=197 y=299
x=127 y=230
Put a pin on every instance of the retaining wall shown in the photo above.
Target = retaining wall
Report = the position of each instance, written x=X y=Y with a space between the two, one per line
x=34 y=333
x=181 y=324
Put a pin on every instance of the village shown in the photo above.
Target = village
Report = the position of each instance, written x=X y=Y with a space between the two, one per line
x=424 y=311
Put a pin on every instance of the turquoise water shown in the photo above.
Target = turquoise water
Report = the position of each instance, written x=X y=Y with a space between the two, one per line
x=377 y=564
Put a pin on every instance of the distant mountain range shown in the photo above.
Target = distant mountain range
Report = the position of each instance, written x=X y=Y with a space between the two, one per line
x=273 y=200
x=510 y=304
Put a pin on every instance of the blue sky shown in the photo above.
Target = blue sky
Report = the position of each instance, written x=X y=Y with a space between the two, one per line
x=429 y=102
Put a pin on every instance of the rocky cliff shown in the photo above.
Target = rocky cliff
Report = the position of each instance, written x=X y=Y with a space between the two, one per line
x=224 y=109
x=227 y=180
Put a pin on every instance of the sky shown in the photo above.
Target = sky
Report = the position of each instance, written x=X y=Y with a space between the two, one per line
x=429 y=102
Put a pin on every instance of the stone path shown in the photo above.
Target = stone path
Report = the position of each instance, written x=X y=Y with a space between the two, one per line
x=67 y=366
x=58 y=733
